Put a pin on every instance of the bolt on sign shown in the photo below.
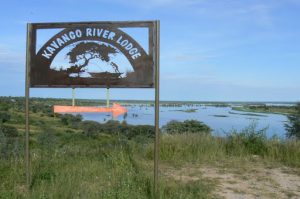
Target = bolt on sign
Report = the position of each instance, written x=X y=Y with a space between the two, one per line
x=93 y=56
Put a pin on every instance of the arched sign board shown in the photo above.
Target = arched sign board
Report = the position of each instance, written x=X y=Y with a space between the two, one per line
x=88 y=46
x=92 y=51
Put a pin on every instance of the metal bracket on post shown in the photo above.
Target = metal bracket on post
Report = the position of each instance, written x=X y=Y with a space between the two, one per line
x=107 y=97
x=73 y=96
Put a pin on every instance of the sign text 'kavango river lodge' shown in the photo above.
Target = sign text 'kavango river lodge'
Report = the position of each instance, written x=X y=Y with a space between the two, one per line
x=96 y=54
x=98 y=33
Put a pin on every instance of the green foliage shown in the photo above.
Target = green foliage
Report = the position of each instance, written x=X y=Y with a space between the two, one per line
x=4 y=117
x=285 y=151
x=47 y=138
x=71 y=158
x=293 y=127
x=9 y=131
x=10 y=145
x=92 y=129
x=189 y=147
x=3 y=143
x=70 y=120
x=202 y=148
x=130 y=131
x=250 y=139
x=6 y=103
x=195 y=189
x=188 y=126
x=36 y=107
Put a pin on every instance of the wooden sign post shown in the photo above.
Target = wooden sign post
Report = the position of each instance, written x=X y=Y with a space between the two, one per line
x=86 y=41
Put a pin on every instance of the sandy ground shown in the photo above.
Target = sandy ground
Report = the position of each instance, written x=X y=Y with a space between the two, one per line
x=255 y=181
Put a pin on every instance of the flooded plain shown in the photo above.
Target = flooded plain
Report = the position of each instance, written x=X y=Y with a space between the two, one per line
x=220 y=119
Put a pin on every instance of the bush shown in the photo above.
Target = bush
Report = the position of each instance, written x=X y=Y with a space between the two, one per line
x=3 y=144
x=249 y=140
x=293 y=127
x=188 y=126
x=41 y=107
x=9 y=145
x=47 y=138
x=70 y=120
x=92 y=129
x=9 y=131
x=130 y=131
x=4 y=117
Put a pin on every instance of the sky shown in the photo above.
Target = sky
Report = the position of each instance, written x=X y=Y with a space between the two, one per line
x=222 y=50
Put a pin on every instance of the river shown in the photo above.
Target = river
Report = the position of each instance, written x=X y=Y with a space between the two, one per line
x=220 y=119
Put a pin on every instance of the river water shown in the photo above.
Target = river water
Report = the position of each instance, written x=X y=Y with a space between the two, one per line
x=220 y=119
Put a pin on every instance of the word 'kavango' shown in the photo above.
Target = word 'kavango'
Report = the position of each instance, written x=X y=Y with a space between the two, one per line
x=99 y=33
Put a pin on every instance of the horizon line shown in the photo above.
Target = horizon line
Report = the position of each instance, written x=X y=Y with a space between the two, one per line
x=163 y=100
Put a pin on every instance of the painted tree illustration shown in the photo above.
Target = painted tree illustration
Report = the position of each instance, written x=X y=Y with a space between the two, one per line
x=83 y=52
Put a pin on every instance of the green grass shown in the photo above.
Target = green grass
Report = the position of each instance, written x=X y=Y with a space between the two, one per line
x=191 y=110
x=266 y=109
x=220 y=115
x=71 y=165
x=237 y=146
x=247 y=114
x=111 y=162
x=80 y=167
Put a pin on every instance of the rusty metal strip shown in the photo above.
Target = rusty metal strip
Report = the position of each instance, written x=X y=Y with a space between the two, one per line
x=119 y=24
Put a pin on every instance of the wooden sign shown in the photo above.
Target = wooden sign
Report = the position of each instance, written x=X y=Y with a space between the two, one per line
x=92 y=54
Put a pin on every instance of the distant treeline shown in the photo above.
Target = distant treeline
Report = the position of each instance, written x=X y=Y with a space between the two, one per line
x=68 y=101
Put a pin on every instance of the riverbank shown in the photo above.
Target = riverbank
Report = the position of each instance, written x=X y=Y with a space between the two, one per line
x=284 y=110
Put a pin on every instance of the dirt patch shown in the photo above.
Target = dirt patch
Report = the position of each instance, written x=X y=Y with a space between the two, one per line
x=256 y=181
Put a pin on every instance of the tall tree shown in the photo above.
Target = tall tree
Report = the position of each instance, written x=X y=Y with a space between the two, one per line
x=293 y=127
x=83 y=52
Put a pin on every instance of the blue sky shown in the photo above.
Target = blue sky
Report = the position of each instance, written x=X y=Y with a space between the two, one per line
x=222 y=50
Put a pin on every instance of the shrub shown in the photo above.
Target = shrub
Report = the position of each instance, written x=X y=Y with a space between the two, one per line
x=112 y=127
x=70 y=120
x=293 y=127
x=91 y=128
x=9 y=131
x=249 y=140
x=41 y=107
x=4 y=117
x=3 y=144
x=47 y=138
x=130 y=131
x=187 y=126
x=9 y=145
